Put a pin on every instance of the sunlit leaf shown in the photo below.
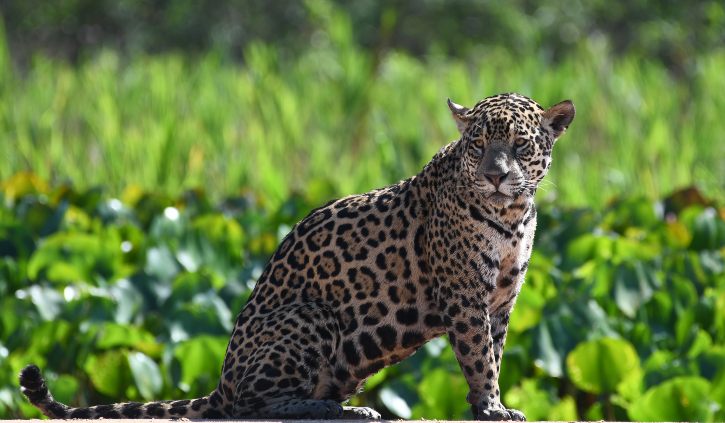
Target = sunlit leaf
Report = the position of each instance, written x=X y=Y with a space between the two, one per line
x=109 y=372
x=64 y=388
x=113 y=335
x=634 y=284
x=22 y=184
x=680 y=399
x=440 y=403
x=599 y=366
x=200 y=359
x=74 y=257
x=563 y=411
x=395 y=403
x=535 y=403
x=146 y=375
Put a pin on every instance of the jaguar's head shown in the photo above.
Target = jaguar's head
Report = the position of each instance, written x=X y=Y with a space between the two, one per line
x=506 y=143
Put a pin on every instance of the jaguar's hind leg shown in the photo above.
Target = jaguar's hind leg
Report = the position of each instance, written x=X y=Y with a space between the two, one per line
x=300 y=409
x=289 y=374
x=313 y=409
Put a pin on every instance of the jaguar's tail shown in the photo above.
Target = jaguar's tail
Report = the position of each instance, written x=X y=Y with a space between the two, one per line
x=34 y=387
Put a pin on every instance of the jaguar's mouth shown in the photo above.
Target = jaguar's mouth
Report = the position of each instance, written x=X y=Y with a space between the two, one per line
x=498 y=198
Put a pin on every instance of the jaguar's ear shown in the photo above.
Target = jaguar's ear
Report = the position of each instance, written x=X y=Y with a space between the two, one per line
x=558 y=117
x=459 y=115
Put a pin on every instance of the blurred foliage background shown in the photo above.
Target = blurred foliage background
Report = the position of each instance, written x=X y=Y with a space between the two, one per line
x=155 y=152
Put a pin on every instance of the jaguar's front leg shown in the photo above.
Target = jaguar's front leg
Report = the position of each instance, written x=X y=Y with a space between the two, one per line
x=499 y=328
x=470 y=333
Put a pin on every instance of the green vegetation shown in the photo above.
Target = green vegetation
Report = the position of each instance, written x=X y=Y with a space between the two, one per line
x=133 y=298
x=141 y=194
x=277 y=126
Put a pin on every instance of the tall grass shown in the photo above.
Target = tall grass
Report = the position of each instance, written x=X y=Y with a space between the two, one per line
x=337 y=119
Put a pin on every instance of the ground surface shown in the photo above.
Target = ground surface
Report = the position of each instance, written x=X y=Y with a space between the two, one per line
x=227 y=421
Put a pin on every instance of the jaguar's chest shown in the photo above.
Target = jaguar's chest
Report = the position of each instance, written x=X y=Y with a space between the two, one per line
x=513 y=254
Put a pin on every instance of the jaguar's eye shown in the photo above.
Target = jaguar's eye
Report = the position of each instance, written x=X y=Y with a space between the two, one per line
x=521 y=143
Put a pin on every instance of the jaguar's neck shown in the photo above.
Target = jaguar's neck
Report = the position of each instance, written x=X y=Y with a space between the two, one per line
x=434 y=177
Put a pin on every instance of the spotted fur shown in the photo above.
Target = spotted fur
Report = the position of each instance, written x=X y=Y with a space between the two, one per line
x=362 y=282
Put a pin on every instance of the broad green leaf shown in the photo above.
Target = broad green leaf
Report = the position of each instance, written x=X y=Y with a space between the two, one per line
x=634 y=284
x=128 y=299
x=146 y=375
x=708 y=230
x=701 y=342
x=527 y=311
x=201 y=362
x=395 y=403
x=588 y=247
x=595 y=412
x=549 y=358
x=677 y=400
x=563 y=411
x=73 y=257
x=160 y=263
x=599 y=366
x=629 y=212
x=712 y=369
x=64 y=388
x=47 y=300
x=632 y=385
x=662 y=365
x=185 y=286
x=109 y=372
x=634 y=248
x=199 y=318
x=535 y=403
x=16 y=241
x=225 y=235
x=438 y=403
x=515 y=364
x=113 y=335
x=49 y=335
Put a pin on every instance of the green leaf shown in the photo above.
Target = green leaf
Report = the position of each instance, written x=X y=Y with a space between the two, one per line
x=599 y=366
x=535 y=403
x=564 y=410
x=64 y=388
x=712 y=368
x=442 y=395
x=201 y=359
x=113 y=335
x=588 y=247
x=49 y=335
x=634 y=284
x=708 y=230
x=631 y=212
x=217 y=236
x=529 y=305
x=160 y=263
x=47 y=300
x=146 y=374
x=109 y=372
x=679 y=399
x=72 y=257
x=595 y=412
x=395 y=403
x=549 y=357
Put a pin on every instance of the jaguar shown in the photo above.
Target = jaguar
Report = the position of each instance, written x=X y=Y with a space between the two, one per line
x=364 y=281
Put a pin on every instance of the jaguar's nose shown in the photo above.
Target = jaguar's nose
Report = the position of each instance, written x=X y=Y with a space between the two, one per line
x=496 y=178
